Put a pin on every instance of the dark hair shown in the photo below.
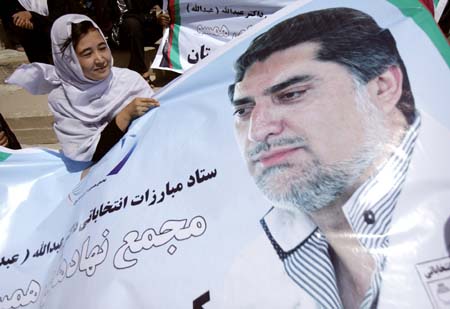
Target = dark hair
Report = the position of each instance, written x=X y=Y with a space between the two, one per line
x=346 y=36
x=78 y=31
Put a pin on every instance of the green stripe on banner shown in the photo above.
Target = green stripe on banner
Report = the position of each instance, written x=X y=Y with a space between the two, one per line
x=175 y=50
x=426 y=22
x=4 y=156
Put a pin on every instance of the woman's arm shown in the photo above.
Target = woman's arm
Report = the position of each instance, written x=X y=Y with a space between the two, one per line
x=110 y=135
x=114 y=131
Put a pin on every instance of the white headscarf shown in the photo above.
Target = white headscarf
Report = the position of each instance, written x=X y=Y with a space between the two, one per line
x=37 y=6
x=81 y=107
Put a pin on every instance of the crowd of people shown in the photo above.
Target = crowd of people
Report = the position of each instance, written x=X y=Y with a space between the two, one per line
x=129 y=24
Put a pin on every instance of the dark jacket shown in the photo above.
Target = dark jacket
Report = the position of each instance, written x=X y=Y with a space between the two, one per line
x=56 y=8
x=107 y=13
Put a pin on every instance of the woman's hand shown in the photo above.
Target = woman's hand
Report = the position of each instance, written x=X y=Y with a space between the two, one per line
x=22 y=19
x=134 y=109
x=3 y=139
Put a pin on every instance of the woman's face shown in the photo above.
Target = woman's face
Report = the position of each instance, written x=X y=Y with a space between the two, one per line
x=94 y=55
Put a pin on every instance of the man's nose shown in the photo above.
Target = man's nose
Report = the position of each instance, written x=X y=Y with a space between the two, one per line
x=264 y=122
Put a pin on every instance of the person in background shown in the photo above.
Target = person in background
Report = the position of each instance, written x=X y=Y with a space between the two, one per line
x=93 y=102
x=138 y=23
x=31 y=20
x=7 y=36
x=7 y=137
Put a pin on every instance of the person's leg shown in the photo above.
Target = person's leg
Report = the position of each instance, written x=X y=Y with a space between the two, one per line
x=152 y=33
x=131 y=33
x=11 y=41
x=36 y=43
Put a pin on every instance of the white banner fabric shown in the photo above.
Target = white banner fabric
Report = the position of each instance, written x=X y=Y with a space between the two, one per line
x=170 y=217
x=201 y=27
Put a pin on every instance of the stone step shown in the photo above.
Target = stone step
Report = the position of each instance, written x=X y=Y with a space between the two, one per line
x=34 y=136
x=31 y=131
x=29 y=123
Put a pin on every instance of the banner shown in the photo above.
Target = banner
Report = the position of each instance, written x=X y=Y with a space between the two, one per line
x=181 y=213
x=201 y=27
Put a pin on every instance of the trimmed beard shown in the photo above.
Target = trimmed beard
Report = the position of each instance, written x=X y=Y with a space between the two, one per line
x=320 y=185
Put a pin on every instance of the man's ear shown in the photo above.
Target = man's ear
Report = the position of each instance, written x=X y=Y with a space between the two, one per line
x=386 y=89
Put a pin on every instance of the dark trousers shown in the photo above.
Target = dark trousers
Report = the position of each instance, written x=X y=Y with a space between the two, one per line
x=36 y=43
x=134 y=35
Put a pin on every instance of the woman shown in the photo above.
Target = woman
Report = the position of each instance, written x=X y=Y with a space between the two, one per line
x=93 y=103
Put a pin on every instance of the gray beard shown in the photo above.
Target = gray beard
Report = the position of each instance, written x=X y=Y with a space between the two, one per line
x=320 y=185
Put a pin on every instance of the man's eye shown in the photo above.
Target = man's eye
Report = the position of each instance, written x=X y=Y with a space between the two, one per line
x=243 y=111
x=290 y=96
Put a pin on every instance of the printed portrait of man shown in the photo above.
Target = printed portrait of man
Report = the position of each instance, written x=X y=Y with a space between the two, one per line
x=326 y=121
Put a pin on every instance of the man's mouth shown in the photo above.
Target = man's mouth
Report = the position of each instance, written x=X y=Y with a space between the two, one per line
x=275 y=156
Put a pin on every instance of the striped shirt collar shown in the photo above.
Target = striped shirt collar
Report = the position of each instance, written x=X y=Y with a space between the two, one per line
x=369 y=213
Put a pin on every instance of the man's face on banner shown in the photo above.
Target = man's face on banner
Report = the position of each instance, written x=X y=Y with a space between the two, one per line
x=306 y=131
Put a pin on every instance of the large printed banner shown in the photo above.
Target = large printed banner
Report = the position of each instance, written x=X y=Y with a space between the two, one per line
x=200 y=27
x=171 y=217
